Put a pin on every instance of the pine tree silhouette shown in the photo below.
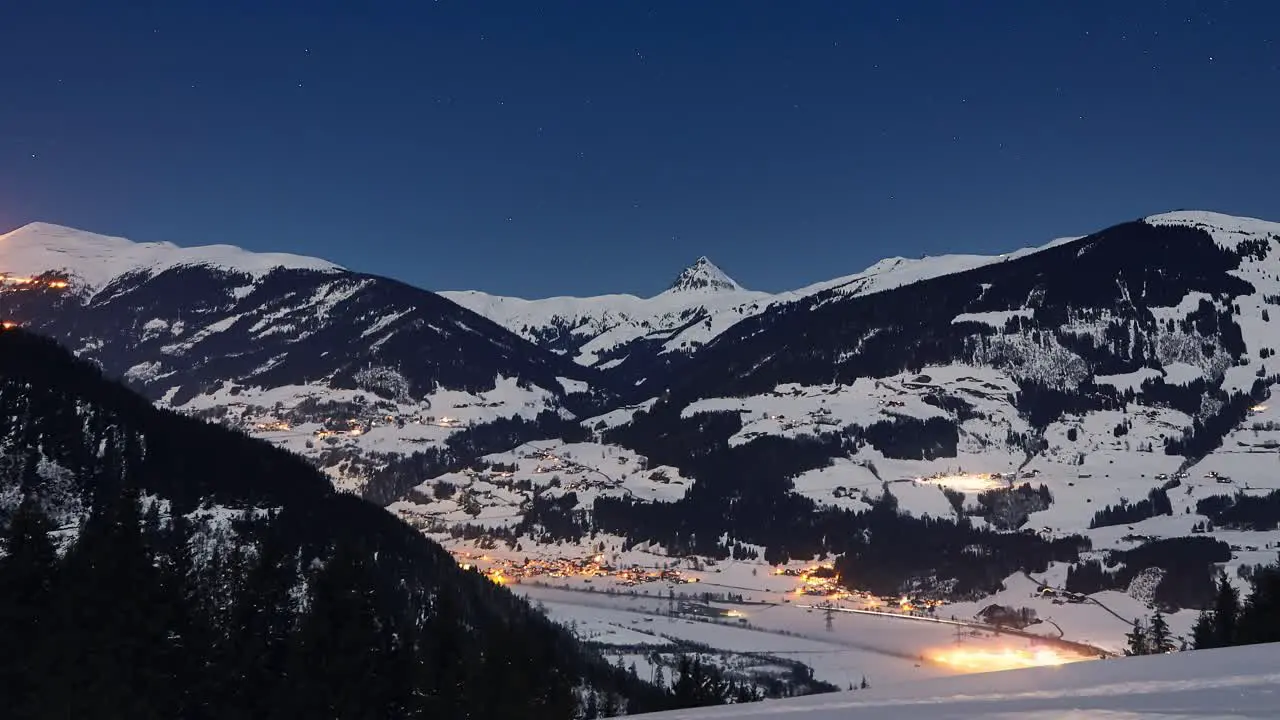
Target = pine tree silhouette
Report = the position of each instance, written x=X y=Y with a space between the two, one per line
x=1137 y=637
x=27 y=576
x=1159 y=640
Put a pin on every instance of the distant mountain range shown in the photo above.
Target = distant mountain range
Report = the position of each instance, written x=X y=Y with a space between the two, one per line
x=740 y=423
x=635 y=338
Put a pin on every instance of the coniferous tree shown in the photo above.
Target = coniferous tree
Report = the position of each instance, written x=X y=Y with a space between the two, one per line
x=254 y=655
x=1159 y=639
x=115 y=646
x=1216 y=626
x=1260 y=617
x=1137 y=637
x=187 y=654
x=27 y=573
x=1226 y=611
x=343 y=635
x=1202 y=637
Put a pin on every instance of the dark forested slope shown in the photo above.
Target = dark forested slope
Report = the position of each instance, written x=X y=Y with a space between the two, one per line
x=205 y=574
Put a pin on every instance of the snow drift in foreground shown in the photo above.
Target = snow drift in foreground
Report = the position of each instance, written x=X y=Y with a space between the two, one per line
x=1232 y=683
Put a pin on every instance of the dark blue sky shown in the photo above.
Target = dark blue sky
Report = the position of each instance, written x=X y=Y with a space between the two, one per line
x=536 y=148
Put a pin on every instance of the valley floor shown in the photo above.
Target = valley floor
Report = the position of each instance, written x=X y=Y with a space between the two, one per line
x=747 y=616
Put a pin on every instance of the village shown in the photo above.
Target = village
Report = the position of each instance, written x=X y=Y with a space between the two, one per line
x=504 y=572
x=817 y=584
x=336 y=420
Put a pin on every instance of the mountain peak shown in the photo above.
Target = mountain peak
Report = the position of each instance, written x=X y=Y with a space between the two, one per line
x=93 y=260
x=703 y=275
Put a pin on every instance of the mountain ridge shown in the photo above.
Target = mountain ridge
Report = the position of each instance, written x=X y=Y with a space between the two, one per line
x=281 y=341
x=95 y=260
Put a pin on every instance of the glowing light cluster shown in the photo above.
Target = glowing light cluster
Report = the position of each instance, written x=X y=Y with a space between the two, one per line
x=967 y=482
x=54 y=283
x=595 y=566
x=819 y=580
x=975 y=660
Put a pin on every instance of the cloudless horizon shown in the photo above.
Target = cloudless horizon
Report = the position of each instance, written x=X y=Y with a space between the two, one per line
x=581 y=148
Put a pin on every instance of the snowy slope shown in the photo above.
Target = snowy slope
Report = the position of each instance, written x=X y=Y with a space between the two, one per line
x=351 y=370
x=702 y=302
x=895 y=272
x=92 y=261
x=1228 y=684
x=608 y=331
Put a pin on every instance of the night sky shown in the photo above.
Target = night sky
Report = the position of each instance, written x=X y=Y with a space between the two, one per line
x=538 y=148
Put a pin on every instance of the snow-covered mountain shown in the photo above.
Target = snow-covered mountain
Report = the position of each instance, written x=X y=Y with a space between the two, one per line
x=343 y=367
x=92 y=261
x=609 y=331
x=1124 y=375
x=1093 y=412
x=639 y=339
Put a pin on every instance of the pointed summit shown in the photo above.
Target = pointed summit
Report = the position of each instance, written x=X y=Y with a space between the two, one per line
x=703 y=275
